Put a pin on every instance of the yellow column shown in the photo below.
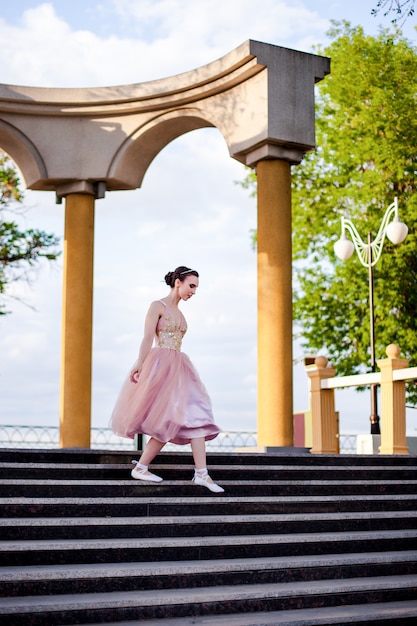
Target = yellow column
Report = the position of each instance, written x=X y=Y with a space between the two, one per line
x=77 y=313
x=275 y=405
x=393 y=419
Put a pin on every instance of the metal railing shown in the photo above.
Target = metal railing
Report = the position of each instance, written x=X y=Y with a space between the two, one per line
x=46 y=437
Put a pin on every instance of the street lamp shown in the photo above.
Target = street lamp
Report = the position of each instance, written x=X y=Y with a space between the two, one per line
x=369 y=254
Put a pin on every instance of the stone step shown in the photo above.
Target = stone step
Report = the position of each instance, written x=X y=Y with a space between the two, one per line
x=195 y=526
x=194 y=548
x=111 y=577
x=105 y=607
x=153 y=505
x=82 y=542
x=229 y=472
x=393 y=613
x=129 y=487
x=87 y=487
x=109 y=457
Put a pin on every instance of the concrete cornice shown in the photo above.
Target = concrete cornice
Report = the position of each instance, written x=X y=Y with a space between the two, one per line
x=211 y=79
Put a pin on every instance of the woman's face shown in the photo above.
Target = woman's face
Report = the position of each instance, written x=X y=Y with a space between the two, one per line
x=187 y=287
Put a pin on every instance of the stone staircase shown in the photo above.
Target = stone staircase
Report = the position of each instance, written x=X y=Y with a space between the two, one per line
x=296 y=539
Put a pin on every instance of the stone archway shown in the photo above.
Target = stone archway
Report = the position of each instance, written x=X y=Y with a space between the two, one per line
x=81 y=143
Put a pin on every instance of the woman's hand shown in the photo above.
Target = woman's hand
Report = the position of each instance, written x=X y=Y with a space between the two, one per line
x=134 y=375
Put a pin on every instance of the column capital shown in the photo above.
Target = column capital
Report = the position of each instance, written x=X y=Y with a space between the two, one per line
x=96 y=189
x=269 y=151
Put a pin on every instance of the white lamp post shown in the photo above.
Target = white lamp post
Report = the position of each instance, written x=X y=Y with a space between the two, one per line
x=369 y=254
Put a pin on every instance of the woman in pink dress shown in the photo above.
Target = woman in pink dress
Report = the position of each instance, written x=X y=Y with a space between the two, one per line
x=163 y=396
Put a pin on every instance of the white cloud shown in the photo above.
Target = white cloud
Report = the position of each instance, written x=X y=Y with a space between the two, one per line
x=217 y=24
x=164 y=38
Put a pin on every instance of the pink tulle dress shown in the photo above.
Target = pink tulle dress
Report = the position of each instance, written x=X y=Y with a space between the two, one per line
x=169 y=401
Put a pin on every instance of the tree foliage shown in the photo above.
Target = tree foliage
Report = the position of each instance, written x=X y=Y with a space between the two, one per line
x=400 y=9
x=366 y=135
x=19 y=250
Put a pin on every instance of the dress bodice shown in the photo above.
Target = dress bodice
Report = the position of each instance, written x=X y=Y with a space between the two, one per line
x=170 y=331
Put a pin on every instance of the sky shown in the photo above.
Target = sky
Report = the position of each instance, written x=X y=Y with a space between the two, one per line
x=189 y=211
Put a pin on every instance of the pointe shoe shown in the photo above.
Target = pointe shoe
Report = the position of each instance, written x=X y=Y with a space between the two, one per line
x=206 y=481
x=141 y=474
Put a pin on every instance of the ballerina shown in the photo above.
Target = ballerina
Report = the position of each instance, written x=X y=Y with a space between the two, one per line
x=163 y=396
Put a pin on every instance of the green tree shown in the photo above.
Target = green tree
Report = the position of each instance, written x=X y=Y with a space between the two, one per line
x=366 y=129
x=19 y=250
x=400 y=9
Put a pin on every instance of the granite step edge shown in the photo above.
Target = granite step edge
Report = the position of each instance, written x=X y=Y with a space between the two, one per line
x=326 y=616
x=100 y=544
x=165 y=568
x=162 y=520
x=381 y=584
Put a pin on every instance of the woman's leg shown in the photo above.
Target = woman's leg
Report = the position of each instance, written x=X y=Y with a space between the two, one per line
x=141 y=470
x=152 y=448
x=201 y=475
x=198 y=446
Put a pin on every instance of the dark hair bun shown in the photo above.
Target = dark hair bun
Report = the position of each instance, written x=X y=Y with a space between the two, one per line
x=170 y=278
x=181 y=273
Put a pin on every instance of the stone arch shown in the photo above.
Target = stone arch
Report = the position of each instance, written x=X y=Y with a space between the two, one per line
x=135 y=155
x=23 y=152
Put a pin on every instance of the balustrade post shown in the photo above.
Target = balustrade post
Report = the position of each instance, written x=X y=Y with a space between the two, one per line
x=325 y=421
x=393 y=421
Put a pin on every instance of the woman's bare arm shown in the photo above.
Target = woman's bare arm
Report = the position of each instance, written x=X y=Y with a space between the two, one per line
x=152 y=317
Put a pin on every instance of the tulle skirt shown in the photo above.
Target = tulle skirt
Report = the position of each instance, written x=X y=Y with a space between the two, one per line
x=168 y=402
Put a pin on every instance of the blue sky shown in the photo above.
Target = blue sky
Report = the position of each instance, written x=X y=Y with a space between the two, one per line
x=189 y=210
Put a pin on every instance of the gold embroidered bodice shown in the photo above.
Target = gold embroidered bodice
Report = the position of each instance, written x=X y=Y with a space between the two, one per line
x=170 y=331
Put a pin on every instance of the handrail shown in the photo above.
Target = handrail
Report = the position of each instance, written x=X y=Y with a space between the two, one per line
x=407 y=373
x=361 y=380
x=392 y=376
x=356 y=380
